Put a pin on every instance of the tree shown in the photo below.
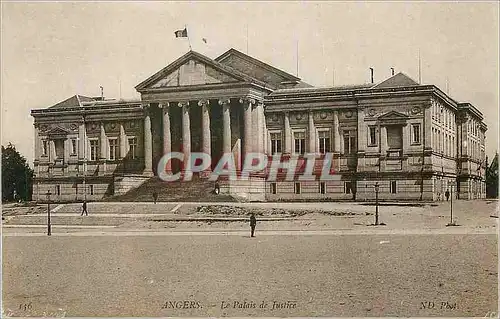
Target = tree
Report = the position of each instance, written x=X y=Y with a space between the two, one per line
x=17 y=176
x=492 y=178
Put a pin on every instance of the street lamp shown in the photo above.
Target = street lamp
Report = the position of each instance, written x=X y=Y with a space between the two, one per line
x=451 y=205
x=377 y=186
x=48 y=213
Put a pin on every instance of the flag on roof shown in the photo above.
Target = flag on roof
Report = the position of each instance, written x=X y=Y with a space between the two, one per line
x=181 y=33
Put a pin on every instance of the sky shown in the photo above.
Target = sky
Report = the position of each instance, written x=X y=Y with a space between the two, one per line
x=53 y=50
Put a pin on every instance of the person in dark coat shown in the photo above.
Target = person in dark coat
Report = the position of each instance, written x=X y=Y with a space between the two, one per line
x=447 y=194
x=155 y=196
x=253 y=223
x=84 y=208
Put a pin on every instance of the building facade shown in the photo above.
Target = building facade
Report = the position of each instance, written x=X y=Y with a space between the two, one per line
x=413 y=140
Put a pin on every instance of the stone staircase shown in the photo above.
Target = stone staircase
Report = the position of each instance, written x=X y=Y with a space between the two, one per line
x=196 y=190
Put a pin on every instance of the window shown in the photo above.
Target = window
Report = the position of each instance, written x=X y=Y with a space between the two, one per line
x=415 y=136
x=324 y=141
x=132 y=147
x=45 y=147
x=73 y=146
x=275 y=143
x=59 y=146
x=372 y=139
x=58 y=190
x=91 y=189
x=113 y=148
x=393 y=187
x=94 y=149
x=273 y=188
x=300 y=142
x=348 y=187
x=349 y=142
x=297 y=188
x=322 y=188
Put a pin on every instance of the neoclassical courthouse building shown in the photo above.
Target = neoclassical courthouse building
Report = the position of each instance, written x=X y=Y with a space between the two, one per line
x=414 y=140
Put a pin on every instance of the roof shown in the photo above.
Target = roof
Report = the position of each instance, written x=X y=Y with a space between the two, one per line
x=311 y=89
x=253 y=60
x=397 y=80
x=74 y=101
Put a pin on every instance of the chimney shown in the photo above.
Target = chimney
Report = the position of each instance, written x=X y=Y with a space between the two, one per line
x=371 y=72
x=392 y=71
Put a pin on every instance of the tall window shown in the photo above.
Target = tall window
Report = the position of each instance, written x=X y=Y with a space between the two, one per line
x=275 y=143
x=393 y=187
x=372 y=139
x=273 y=188
x=58 y=190
x=322 y=188
x=324 y=141
x=349 y=142
x=297 y=188
x=132 y=147
x=113 y=148
x=73 y=146
x=45 y=147
x=415 y=136
x=300 y=142
x=348 y=187
x=94 y=149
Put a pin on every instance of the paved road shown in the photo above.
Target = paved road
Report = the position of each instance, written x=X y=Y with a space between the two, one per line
x=220 y=275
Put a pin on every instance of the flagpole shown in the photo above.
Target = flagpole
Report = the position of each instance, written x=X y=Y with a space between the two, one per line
x=247 y=36
x=297 y=55
x=189 y=40
x=419 y=69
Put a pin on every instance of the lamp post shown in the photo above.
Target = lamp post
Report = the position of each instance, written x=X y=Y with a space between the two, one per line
x=84 y=137
x=377 y=186
x=451 y=205
x=48 y=213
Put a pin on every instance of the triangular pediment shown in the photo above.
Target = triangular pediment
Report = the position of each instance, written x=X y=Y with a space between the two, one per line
x=398 y=80
x=56 y=131
x=393 y=115
x=192 y=69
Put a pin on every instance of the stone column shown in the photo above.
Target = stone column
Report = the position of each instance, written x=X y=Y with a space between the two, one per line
x=52 y=150
x=383 y=141
x=311 y=133
x=261 y=127
x=406 y=138
x=103 y=143
x=123 y=142
x=226 y=126
x=148 y=143
x=37 y=143
x=265 y=134
x=186 y=133
x=288 y=134
x=66 y=145
x=81 y=141
x=205 y=128
x=336 y=132
x=167 y=138
x=248 y=126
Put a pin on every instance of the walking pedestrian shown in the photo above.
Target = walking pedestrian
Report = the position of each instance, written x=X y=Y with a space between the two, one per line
x=155 y=196
x=447 y=194
x=84 y=208
x=253 y=223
